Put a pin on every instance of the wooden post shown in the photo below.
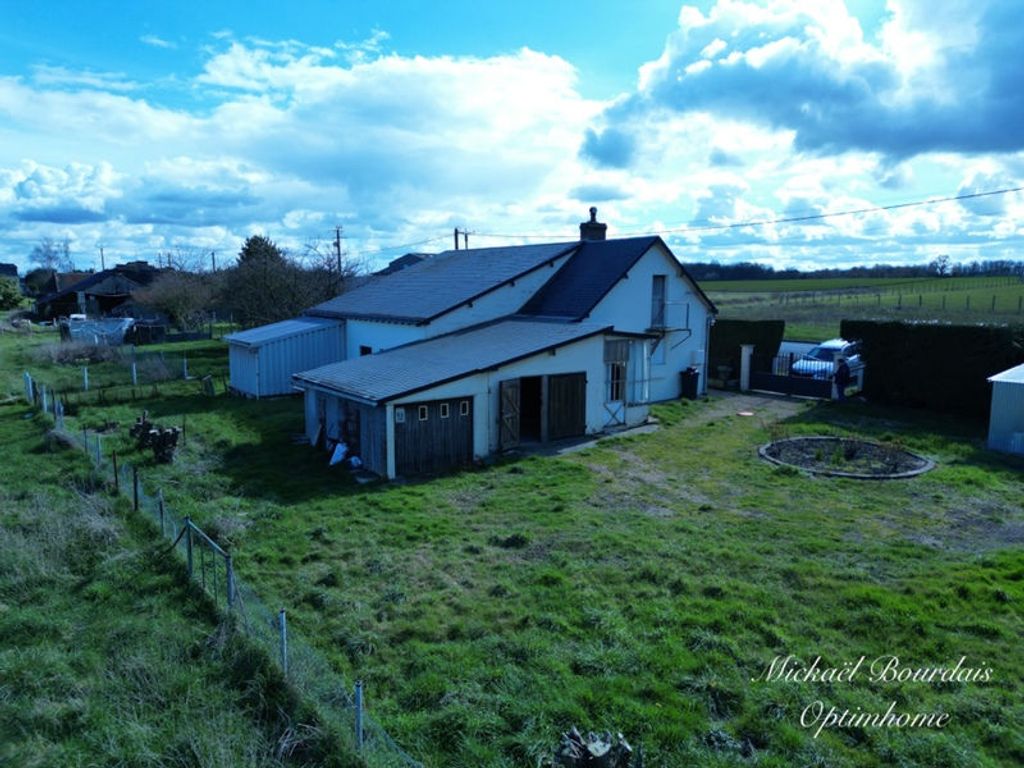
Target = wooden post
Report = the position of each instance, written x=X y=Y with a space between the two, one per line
x=117 y=481
x=282 y=624
x=359 y=715
x=135 y=488
x=188 y=545
x=231 y=582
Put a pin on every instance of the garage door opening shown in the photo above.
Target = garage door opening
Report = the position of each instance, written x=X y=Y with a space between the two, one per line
x=530 y=408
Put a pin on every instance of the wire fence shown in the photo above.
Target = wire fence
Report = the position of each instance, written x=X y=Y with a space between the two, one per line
x=211 y=567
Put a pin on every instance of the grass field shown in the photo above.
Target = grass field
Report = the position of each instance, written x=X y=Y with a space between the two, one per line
x=638 y=585
x=107 y=656
x=813 y=308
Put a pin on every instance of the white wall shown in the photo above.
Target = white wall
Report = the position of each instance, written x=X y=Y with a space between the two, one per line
x=628 y=307
x=1006 y=419
x=243 y=365
x=586 y=356
x=378 y=336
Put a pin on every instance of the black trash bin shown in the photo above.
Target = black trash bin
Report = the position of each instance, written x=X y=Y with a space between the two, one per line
x=688 y=383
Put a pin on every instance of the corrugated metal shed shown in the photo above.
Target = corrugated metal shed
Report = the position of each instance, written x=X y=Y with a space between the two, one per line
x=1006 y=420
x=434 y=286
x=404 y=370
x=263 y=359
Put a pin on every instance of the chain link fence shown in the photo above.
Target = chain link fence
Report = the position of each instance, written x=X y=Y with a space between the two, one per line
x=210 y=566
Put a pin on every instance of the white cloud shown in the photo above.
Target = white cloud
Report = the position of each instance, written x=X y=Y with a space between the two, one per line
x=157 y=42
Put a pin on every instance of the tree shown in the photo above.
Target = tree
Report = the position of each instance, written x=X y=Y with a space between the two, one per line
x=940 y=266
x=10 y=293
x=38 y=281
x=185 y=297
x=261 y=250
x=50 y=254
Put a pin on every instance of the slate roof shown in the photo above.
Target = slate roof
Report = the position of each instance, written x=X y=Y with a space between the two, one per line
x=404 y=370
x=589 y=274
x=424 y=291
x=255 y=337
x=125 y=278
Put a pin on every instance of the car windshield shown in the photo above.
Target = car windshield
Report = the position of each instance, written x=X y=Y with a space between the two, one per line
x=820 y=353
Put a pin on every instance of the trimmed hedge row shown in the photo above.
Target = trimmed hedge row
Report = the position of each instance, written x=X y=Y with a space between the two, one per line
x=728 y=335
x=939 y=367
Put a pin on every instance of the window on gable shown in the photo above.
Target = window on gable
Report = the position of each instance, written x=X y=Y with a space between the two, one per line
x=658 y=301
x=424 y=413
x=443 y=410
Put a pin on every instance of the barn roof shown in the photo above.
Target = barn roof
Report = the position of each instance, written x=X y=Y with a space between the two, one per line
x=590 y=273
x=434 y=286
x=404 y=370
x=255 y=337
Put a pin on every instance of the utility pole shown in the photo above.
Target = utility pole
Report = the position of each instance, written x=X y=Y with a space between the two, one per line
x=456 y=238
x=213 y=260
x=465 y=238
x=103 y=263
x=337 y=248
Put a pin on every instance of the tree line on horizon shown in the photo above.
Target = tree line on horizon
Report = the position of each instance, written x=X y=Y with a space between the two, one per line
x=939 y=267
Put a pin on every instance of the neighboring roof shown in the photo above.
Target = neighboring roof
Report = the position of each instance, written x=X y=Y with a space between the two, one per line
x=402 y=262
x=123 y=280
x=590 y=273
x=405 y=370
x=1013 y=375
x=437 y=285
x=9 y=270
x=255 y=337
x=64 y=280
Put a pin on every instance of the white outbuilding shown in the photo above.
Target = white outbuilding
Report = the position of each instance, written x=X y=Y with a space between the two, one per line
x=1006 y=422
x=262 y=360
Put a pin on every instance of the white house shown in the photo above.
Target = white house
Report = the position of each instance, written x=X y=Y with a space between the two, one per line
x=1006 y=420
x=474 y=351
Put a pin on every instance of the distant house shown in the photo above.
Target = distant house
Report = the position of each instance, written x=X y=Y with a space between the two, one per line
x=402 y=262
x=97 y=294
x=474 y=351
x=1006 y=419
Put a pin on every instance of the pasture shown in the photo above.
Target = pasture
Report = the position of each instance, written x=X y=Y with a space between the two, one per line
x=642 y=584
x=812 y=308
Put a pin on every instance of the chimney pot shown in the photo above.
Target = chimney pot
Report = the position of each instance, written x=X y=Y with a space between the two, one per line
x=593 y=229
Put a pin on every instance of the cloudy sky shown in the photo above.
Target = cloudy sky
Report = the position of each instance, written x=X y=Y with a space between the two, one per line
x=145 y=127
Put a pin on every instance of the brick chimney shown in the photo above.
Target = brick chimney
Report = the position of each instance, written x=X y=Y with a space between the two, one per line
x=593 y=229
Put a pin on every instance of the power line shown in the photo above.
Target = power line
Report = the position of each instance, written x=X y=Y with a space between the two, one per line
x=783 y=220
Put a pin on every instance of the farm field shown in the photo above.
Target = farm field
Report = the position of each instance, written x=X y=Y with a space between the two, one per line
x=639 y=585
x=107 y=657
x=813 y=308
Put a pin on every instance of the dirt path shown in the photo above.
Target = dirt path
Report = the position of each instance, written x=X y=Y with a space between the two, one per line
x=730 y=403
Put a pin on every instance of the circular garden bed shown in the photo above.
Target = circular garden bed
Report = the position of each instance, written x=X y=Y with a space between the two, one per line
x=845 y=457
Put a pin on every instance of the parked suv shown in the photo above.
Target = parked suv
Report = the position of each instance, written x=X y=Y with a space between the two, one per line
x=820 y=362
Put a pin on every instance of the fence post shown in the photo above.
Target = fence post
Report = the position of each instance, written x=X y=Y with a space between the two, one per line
x=184 y=365
x=45 y=398
x=135 y=375
x=117 y=480
x=135 y=487
x=188 y=545
x=282 y=624
x=30 y=394
x=183 y=439
x=85 y=440
x=99 y=451
x=160 y=504
x=85 y=378
x=231 y=582
x=359 y=715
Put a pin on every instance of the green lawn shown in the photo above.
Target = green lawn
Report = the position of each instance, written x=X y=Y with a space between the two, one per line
x=107 y=655
x=637 y=585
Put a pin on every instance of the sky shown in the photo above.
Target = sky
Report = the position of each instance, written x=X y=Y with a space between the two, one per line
x=148 y=128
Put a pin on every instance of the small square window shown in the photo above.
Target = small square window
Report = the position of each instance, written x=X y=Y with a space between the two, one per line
x=399 y=415
x=424 y=413
x=444 y=410
x=464 y=408
x=365 y=350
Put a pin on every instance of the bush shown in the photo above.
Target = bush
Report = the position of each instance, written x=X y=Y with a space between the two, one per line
x=939 y=367
x=10 y=293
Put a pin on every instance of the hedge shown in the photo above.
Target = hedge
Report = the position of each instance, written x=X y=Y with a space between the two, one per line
x=940 y=367
x=728 y=335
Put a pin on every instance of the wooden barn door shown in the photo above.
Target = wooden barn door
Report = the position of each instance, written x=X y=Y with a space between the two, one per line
x=567 y=405
x=508 y=394
x=434 y=436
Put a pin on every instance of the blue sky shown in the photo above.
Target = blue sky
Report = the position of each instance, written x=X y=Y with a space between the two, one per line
x=185 y=127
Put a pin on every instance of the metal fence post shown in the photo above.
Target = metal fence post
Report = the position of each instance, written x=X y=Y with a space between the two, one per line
x=99 y=450
x=160 y=503
x=135 y=488
x=188 y=544
x=45 y=399
x=230 y=582
x=117 y=480
x=135 y=375
x=359 y=715
x=85 y=378
x=282 y=624
x=184 y=365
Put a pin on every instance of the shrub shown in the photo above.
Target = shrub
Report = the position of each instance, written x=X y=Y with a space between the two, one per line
x=728 y=335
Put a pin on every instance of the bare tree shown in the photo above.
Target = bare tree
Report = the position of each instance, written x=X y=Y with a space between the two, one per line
x=185 y=297
x=51 y=254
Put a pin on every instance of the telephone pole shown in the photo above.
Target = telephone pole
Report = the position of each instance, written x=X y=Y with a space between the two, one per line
x=103 y=263
x=337 y=248
x=213 y=260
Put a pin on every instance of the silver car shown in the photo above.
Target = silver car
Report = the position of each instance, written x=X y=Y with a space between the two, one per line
x=820 y=361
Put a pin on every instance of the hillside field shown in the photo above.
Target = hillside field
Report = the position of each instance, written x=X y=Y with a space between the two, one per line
x=640 y=585
x=812 y=308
